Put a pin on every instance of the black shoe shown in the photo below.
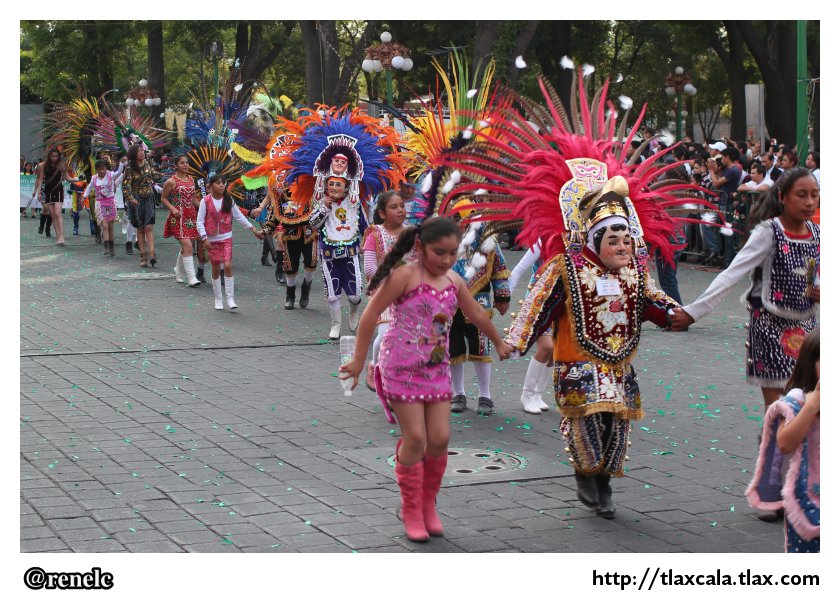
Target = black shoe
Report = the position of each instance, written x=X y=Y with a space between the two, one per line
x=290 y=298
x=153 y=260
x=129 y=250
x=605 y=507
x=458 y=403
x=136 y=245
x=587 y=489
x=280 y=276
x=48 y=234
x=304 y=293
x=485 y=406
x=265 y=261
x=199 y=274
x=98 y=238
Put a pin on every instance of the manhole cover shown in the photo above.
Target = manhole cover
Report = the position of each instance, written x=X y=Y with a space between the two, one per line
x=137 y=276
x=467 y=462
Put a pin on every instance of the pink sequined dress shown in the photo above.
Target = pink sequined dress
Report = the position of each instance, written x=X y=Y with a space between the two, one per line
x=414 y=357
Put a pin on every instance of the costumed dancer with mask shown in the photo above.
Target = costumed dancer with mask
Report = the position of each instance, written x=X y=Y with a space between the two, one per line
x=341 y=158
x=594 y=288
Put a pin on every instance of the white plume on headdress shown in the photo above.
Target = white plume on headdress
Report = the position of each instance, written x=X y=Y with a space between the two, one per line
x=726 y=229
x=619 y=79
x=520 y=62
x=468 y=238
x=481 y=191
x=238 y=87
x=483 y=124
x=567 y=63
x=472 y=93
x=467 y=134
x=469 y=273
x=667 y=138
x=708 y=216
x=488 y=245
x=588 y=69
x=626 y=102
x=478 y=261
x=427 y=183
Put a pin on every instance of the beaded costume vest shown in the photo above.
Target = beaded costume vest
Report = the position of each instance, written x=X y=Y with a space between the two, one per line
x=605 y=308
x=792 y=273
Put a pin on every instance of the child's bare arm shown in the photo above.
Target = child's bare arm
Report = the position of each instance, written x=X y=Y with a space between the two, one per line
x=792 y=434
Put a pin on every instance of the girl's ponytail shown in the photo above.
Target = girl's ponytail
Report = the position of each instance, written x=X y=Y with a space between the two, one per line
x=404 y=244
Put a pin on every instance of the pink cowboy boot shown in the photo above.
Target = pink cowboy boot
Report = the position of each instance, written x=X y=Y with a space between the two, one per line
x=433 y=470
x=410 y=481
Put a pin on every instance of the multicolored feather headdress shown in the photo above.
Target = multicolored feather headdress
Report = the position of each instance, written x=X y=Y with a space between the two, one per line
x=71 y=128
x=116 y=132
x=539 y=164
x=374 y=162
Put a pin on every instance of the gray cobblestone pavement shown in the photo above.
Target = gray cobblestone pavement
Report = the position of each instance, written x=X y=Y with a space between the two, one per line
x=150 y=422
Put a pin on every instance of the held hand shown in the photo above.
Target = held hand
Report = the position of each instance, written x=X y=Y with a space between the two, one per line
x=815 y=294
x=124 y=160
x=259 y=234
x=135 y=203
x=812 y=399
x=681 y=320
x=206 y=244
x=351 y=370
x=255 y=212
x=504 y=351
x=501 y=306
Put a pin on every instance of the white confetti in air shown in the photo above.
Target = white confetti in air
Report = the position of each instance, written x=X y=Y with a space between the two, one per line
x=567 y=63
x=626 y=102
x=588 y=69
x=520 y=62
x=619 y=79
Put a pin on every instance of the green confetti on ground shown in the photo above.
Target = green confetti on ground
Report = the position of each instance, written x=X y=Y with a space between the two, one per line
x=713 y=524
x=314 y=422
x=732 y=509
x=500 y=428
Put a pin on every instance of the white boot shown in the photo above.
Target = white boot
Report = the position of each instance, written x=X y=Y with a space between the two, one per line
x=229 y=292
x=179 y=269
x=335 y=323
x=217 y=293
x=354 y=315
x=530 y=404
x=189 y=272
x=546 y=374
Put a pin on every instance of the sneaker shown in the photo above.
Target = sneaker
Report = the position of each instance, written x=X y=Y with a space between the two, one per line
x=485 y=406
x=458 y=404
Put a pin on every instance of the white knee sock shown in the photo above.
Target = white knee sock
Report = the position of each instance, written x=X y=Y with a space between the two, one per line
x=482 y=373
x=380 y=333
x=291 y=280
x=457 y=372
x=335 y=305
x=308 y=275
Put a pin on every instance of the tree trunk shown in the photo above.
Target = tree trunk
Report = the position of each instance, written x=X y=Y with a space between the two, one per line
x=523 y=39
x=560 y=45
x=241 y=39
x=486 y=33
x=733 y=62
x=154 y=39
x=353 y=64
x=780 y=116
x=331 y=60
x=315 y=92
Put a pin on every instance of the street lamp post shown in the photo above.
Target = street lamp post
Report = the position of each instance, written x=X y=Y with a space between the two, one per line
x=141 y=96
x=388 y=57
x=675 y=84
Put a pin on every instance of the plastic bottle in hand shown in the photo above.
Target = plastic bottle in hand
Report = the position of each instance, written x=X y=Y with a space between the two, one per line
x=345 y=347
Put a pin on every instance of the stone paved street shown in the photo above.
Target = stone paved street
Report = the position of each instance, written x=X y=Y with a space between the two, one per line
x=150 y=422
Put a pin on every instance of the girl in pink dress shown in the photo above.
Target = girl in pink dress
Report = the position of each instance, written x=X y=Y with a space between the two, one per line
x=387 y=226
x=413 y=371
x=181 y=198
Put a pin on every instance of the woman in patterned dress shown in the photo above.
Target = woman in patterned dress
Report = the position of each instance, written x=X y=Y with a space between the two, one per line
x=139 y=195
x=181 y=198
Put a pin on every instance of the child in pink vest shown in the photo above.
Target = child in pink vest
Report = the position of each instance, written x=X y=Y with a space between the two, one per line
x=215 y=217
